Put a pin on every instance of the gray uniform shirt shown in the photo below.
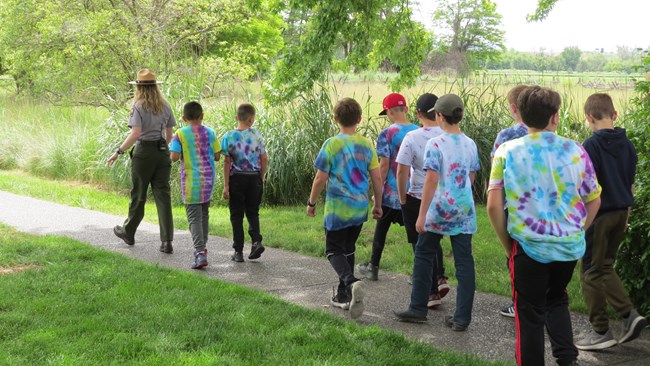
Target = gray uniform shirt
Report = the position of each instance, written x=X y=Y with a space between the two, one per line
x=153 y=125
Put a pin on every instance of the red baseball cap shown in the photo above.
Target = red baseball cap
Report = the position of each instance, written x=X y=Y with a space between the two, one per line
x=393 y=100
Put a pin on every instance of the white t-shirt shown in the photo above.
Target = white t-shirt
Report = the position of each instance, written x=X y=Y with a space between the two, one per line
x=411 y=153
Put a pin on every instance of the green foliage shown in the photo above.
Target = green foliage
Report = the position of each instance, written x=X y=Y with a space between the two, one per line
x=571 y=57
x=370 y=32
x=85 y=51
x=544 y=7
x=635 y=252
x=471 y=31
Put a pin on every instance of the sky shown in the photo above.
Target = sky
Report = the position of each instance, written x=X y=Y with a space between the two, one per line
x=587 y=24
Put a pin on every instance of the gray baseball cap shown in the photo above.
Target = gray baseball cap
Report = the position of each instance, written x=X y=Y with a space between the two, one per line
x=447 y=103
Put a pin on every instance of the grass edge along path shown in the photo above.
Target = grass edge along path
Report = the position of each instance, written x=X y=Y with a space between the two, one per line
x=68 y=303
x=287 y=227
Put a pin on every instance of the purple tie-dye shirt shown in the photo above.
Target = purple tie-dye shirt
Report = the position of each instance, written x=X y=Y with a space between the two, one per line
x=507 y=134
x=547 y=181
x=245 y=149
x=388 y=144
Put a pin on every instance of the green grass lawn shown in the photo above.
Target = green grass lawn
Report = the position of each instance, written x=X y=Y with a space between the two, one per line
x=289 y=228
x=66 y=303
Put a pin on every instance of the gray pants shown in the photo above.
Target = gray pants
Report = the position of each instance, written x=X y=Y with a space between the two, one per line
x=600 y=282
x=197 y=218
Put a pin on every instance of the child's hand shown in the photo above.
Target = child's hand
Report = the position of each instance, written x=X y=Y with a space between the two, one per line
x=226 y=193
x=419 y=225
x=311 y=211
x=376 y=212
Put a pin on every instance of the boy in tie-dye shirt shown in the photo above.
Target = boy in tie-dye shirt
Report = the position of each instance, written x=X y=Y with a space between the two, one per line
x=244 y=167
x=447 y=208
x=344 y=164
x=551 y=194
x=388 y=144
x=198 y=149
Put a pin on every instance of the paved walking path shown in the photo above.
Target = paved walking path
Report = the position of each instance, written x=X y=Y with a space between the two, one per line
x=306 y=281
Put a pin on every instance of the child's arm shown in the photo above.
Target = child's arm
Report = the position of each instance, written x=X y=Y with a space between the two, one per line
x=264 y=164
x=226 y=177
x=402 y=179
x=175 y=156
x=592 y=209
x=429 y=189
x=316 y=188
x=377 y=189
x=497 y=216
x=384 y=166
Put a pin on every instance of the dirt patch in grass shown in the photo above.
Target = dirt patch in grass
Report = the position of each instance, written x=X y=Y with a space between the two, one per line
x=14 y=269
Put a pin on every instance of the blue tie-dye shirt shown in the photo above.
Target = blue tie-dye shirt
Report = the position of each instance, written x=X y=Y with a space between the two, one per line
x=411 y=153
x=388 y=144
x=245 y=149
x=507 y=134
x=547 y=181
x=453 y=157
x=347 y=159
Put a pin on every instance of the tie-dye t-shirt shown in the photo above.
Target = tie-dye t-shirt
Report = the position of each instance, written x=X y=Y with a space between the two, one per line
x=197 y=146
x=453 y=157
x=347 y=159
x=507 y=134
x=388 y=144
x=547 y=180
x=411 y=153
x=245 y=149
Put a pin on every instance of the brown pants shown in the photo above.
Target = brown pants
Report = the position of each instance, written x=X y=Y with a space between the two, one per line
x=600 y=282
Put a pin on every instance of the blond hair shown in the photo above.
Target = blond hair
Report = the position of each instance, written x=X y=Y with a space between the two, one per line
x=151 y=97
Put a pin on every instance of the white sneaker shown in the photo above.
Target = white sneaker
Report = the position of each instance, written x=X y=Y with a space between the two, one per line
x=632 y=326
x=595 y=341
x=356 y=303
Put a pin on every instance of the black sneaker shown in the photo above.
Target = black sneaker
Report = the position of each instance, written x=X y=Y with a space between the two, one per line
x=508 y=311
x=410 y=316
x=237 y=257
x=166 y=247
x=451 y=323
x=356 y=300
x=256 y=250
x=119 y=232
x=368 y=271
x=341 y=300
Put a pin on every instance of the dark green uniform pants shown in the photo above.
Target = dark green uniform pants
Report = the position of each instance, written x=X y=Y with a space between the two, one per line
x=149 y=165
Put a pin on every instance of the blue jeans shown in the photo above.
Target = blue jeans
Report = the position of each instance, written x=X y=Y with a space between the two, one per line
x=423 y=268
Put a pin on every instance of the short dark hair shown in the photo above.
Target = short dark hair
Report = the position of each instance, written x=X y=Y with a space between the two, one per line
x=456 y=116
x=513 y=94
x=245 y=111
x=537 y=105
x=599 y=106
x=192 y=110
x=348 y=112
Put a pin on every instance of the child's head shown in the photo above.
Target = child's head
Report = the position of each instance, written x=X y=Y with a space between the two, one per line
x=347 y=112
x=537 y=105
x=192 y=112
x=451 y=107
x=394 y=107
x=600 y=106
x=246 y=114
x=425 y=105
x=513 y=94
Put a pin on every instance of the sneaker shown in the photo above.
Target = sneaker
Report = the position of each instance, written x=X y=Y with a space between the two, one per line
x=410 y=316
x=508 y=311
x=451 y=323
x=410 y=280
x=443 y=287
x=356 y=302
x=256 y=250
x=341 y=300
x=119 y=232
x=434 y=301
x=200 y=259
x=166 y=247
x=632 y=326
x=368 y=271
x=594 y=341
x=237 y=257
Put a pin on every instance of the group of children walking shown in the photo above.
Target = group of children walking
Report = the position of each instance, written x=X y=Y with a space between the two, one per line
x=551 y=201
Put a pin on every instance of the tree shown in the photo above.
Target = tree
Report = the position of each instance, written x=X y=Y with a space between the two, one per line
x=369 y=32
x=470 y=31
x=571 y=57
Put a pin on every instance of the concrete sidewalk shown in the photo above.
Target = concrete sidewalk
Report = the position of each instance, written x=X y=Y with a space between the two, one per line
x=307 y=281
